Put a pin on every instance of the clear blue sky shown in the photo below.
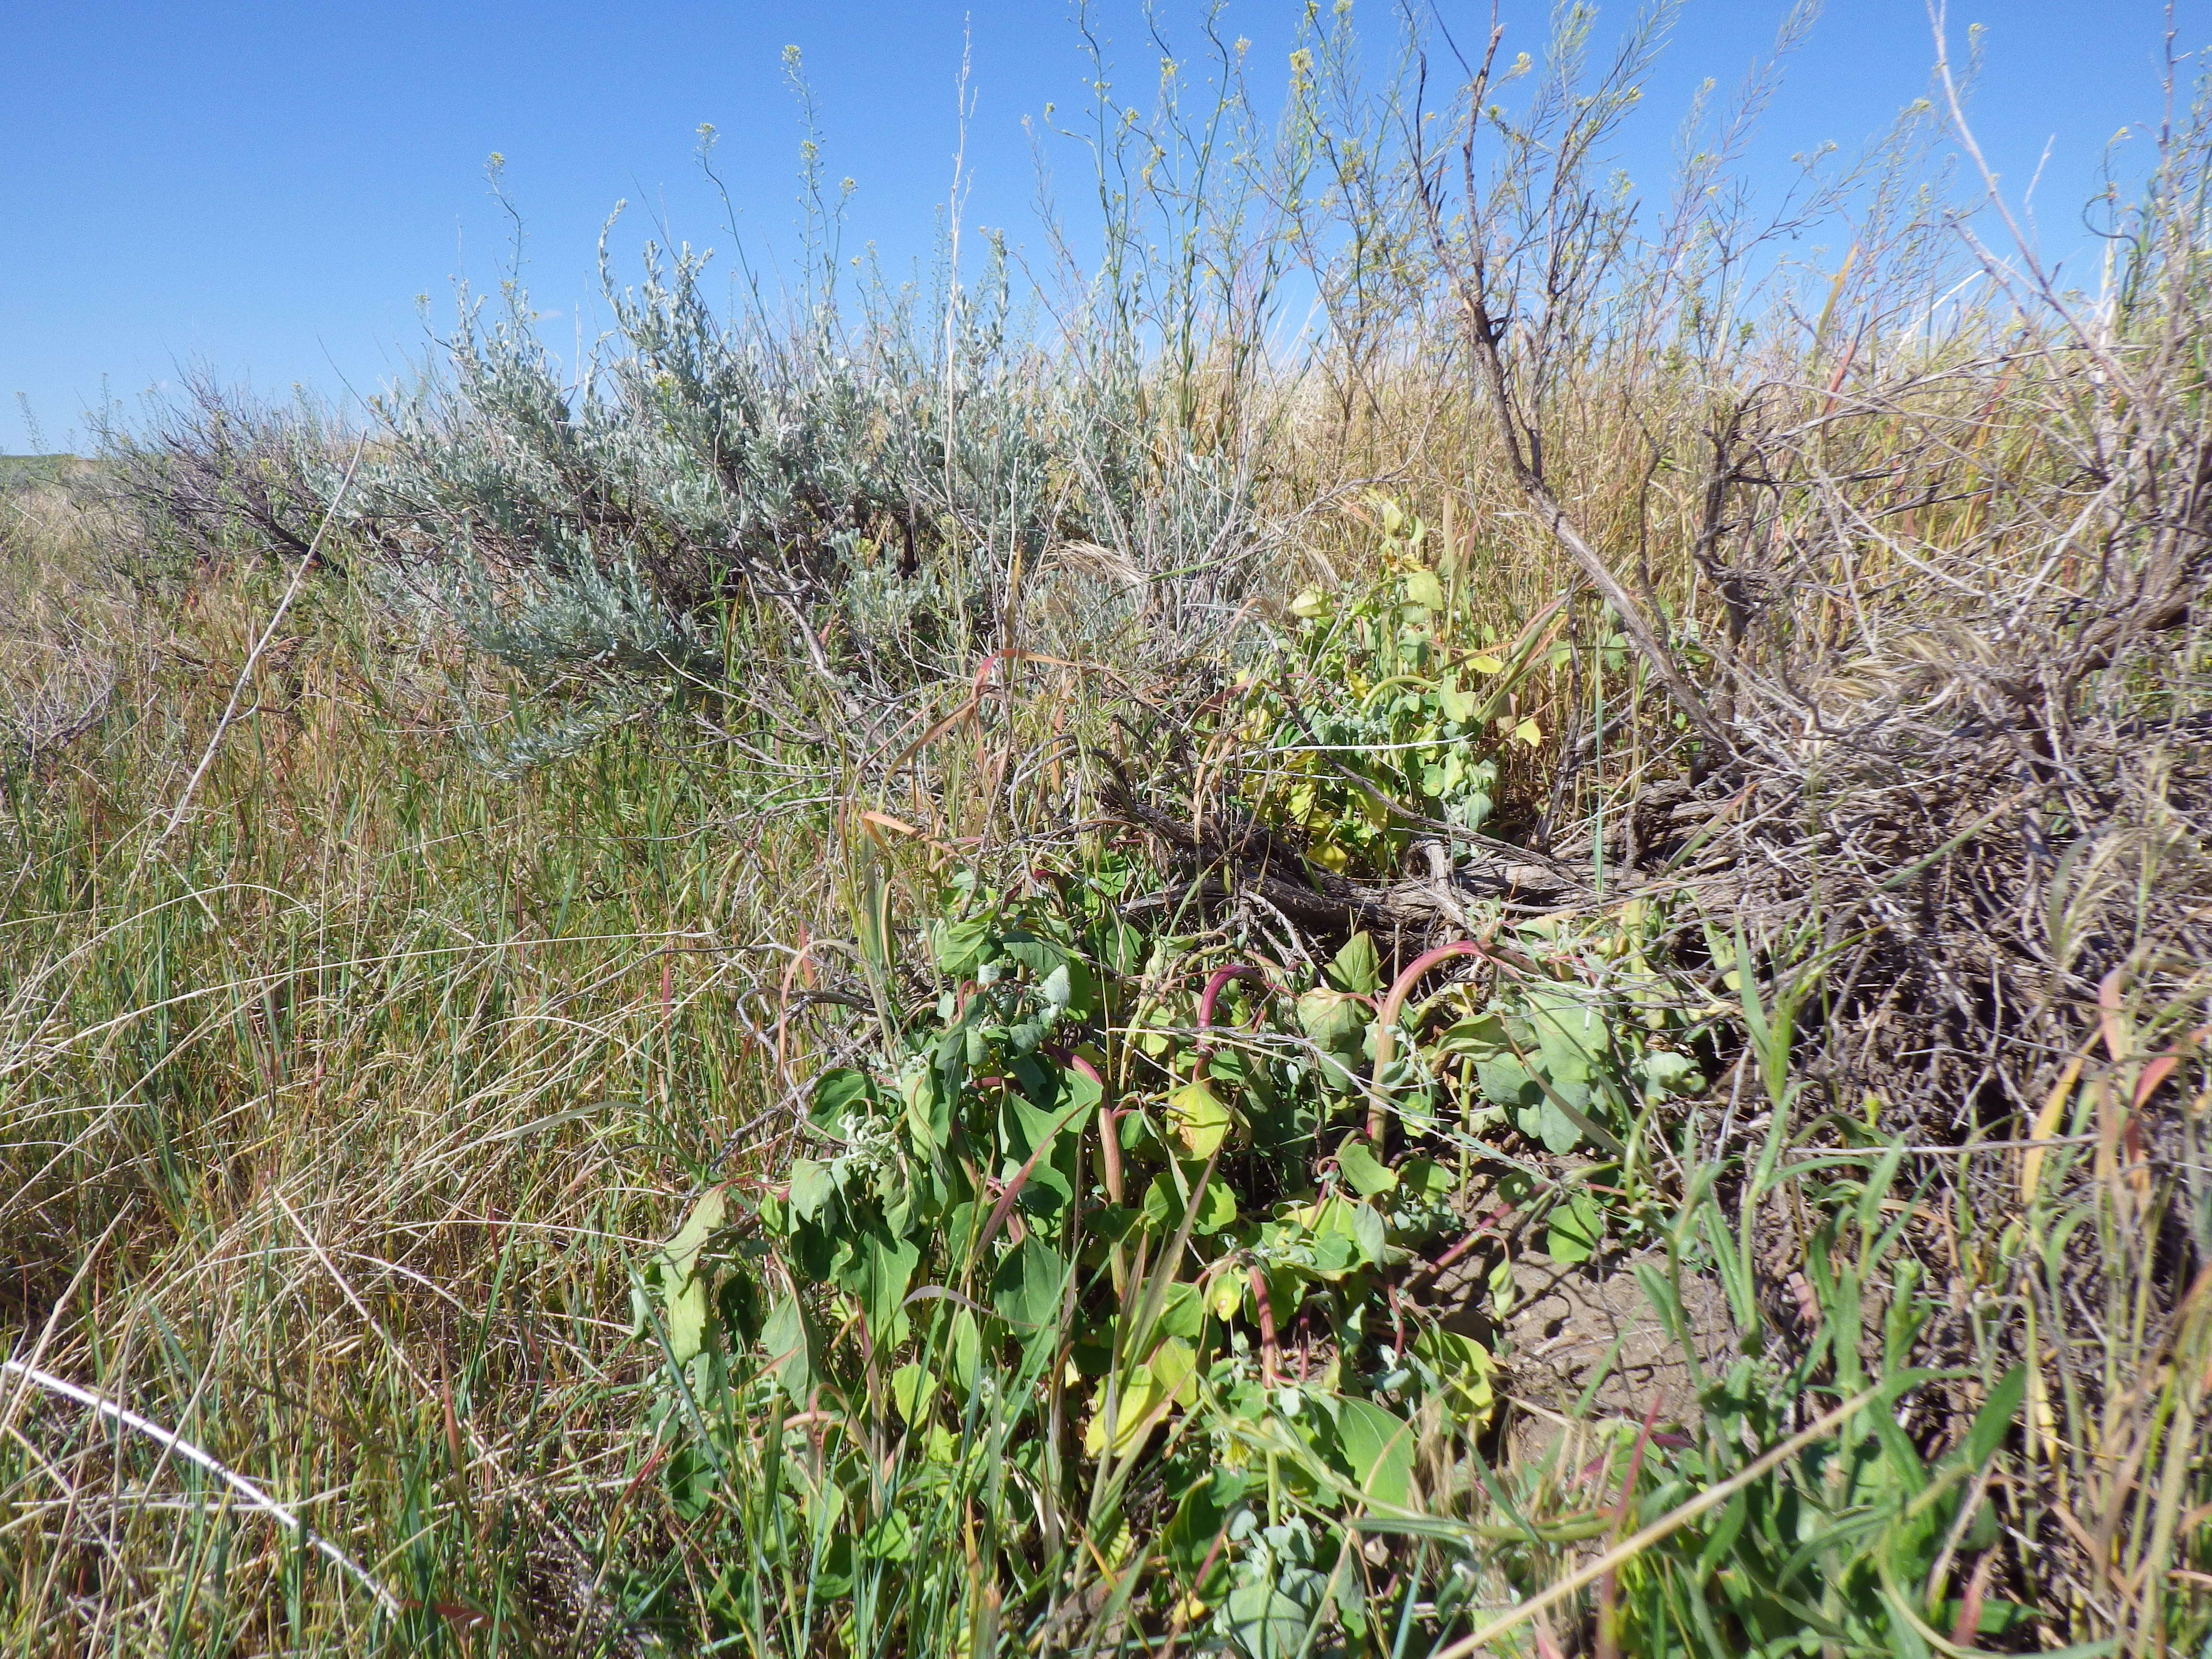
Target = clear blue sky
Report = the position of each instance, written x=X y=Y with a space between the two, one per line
x=265 y=188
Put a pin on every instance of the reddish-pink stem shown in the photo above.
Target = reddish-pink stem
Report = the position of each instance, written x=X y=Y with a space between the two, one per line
x=1258 y=1280
x=1212 y=993
x=1386 y=1019
x=1110 y=1139
x=1207 y=1000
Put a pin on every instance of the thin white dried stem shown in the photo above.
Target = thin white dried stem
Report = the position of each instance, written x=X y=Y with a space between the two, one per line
x=252 y=1495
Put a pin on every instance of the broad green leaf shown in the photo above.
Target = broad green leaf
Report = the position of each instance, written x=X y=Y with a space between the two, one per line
x=1465 y=1371
x=1356 y=968
x=811 y=1188
x=928 y=1111
x=1183 y=1312
x=1173 y=1366
x=1506 y=1082
x=1026 y=1289
x=1041 y=956
x=891 y=1538
x=1225 y=1295
x=1664 y=1074
x=1485 y=1037
x=961 y=947
x=1425 y=1178
x=1570 y=1035
x=1458 y=704
x=1354 y=1224
x=912 y=1389
x=708 y=1215
x=1380 y=1449
x=1163 y=1205
x=1334 y=1020
x=684 y=1284
x=840 y=1094
x=1271 y=1621
x=1200 y=1520
x=888 y=1265
x=1545 y=1121
x=1367 y=1173
x=1141 y=1402
x=788 y=1348
x=1422 y=588
x=1336 y=1023
x=1576 y=1228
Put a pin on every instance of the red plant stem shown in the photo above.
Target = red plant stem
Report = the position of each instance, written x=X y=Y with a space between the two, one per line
x=1502 y=1213
x=1386 y=1019
x=1258 y=1280
x=1212 y=994
x=1109 y=1139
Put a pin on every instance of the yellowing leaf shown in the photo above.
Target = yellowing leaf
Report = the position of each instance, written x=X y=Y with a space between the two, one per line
x=1142 y=1397
x=1422 y=588
x=1309 y=604
x=1225 y=1295
x=1529 y=733
x=1197 y=1120
x=1458 y=704
x=1174 y=1366
x=1330 y=857
x=1487 y=665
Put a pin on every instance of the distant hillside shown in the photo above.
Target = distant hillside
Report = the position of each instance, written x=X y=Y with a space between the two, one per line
x=18 y=470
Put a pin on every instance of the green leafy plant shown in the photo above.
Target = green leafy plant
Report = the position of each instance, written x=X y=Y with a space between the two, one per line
x=1115 y=1228
x=1389 y=693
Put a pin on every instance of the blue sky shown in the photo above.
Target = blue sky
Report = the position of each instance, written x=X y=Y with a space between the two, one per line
x=265 y=189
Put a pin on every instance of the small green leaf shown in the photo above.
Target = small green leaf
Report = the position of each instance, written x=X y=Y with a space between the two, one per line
x=1990 y=1423
x=967 y=1349
x=1577 y=1230
x=1356 y=968
x=912 y=1389
x=811 y=1188
x=1367 y=1173
x=1026 y=1289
